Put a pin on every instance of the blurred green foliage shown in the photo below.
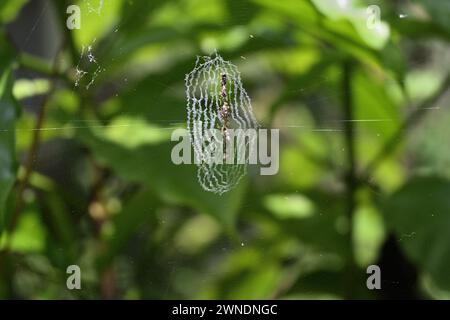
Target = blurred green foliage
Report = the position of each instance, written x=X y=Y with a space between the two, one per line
x=86 y=176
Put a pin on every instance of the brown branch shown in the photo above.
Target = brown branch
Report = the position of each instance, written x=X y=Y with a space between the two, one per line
x=34 y=148
x=30 y=161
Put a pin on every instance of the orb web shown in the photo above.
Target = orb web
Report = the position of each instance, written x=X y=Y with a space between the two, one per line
x=218 y=110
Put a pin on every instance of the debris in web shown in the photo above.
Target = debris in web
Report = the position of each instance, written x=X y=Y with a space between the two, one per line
x=87 y=68
x=218 y=105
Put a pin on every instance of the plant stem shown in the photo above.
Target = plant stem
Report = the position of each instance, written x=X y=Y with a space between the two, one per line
x=350 y=177
x=39 y=65
x=30 y=160
x=52 y=71
x=34 y=63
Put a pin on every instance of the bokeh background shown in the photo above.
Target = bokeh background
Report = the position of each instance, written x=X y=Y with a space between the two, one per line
x=85 y=171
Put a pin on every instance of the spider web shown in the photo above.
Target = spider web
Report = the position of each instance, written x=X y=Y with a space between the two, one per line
x=88 y=68
x=206 y=94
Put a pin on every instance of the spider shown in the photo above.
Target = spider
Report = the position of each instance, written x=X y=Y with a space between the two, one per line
x=224 y=113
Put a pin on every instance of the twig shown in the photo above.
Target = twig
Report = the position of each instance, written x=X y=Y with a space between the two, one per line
x=30 y=160
x=34 y=148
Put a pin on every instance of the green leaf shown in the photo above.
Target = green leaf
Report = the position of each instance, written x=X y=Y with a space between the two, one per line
x=327 y=219
x=419 y=215
x=377 y=119
x=247 y=274
x=368 y=235
x=302 y=11
x=97 y=17
x=151 y=165
x=138 y=211
x=9 y=9
x=439 y=12
x=374 y=37
x=289 y=205
x=7 y=141
x=155 y=97
x=135 y=13
x=25 y=88
x=133 y=132
x=6 y=53
x=417 y=29
x=30 y=234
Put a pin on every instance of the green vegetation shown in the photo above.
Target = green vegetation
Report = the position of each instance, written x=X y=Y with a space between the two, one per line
x=86 y=177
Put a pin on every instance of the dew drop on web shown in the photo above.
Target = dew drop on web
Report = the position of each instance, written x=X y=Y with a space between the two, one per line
x=216 y=99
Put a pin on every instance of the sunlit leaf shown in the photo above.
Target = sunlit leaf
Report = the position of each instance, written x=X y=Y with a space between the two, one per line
x=97 y=17
x=289 y=205
x=368 y=235
x=25 y=88
x=30 y=234
x=375 y=36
